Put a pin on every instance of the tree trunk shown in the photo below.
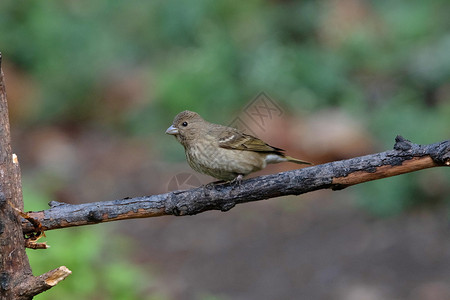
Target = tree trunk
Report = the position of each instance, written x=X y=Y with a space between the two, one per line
x=14 y=267
x=16 y=280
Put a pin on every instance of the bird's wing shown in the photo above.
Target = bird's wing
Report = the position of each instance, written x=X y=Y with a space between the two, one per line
x=234 y=139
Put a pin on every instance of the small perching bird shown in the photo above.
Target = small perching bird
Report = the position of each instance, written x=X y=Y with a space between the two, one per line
x=223 y=152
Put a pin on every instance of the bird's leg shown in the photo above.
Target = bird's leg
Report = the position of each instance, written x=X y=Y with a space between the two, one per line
x=237 y=181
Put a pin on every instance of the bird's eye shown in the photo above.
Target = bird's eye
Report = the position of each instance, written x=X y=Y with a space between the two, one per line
x=184 y=124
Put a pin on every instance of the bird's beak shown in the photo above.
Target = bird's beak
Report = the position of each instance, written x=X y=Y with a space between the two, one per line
x=172 y=130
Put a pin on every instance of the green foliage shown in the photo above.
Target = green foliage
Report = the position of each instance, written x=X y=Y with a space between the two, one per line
x=206 y=54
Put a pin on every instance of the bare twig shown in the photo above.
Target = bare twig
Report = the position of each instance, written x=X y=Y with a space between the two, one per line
x=36 y=285
x=406 y=157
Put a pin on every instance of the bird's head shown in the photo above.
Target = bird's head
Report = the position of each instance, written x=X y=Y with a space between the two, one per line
x=186 y=125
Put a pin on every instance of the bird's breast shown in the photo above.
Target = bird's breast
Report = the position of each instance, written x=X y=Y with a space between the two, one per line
x=221 y=163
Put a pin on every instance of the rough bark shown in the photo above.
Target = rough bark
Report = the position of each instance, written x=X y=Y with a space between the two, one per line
x=406 y=157
x=16 y=279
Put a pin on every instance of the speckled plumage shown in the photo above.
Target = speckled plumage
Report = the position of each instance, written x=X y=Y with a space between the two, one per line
x=220 y=151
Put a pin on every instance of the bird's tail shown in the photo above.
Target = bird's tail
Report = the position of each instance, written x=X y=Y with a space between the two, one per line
x=297 y=161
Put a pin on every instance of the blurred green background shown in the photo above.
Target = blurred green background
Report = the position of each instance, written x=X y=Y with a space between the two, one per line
x=92 y=86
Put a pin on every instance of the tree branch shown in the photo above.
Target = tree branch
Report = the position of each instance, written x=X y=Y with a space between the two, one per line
x=406 y=157
x=36 y=285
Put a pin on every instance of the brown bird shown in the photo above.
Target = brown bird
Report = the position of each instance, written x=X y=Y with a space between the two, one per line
x=223 y=152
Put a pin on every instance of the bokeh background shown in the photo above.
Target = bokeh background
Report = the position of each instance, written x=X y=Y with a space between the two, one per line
x=92 y=86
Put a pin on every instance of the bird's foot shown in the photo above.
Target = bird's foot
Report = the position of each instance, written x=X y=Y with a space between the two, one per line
x=237 y=181
x=214 y=183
